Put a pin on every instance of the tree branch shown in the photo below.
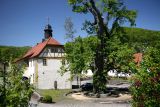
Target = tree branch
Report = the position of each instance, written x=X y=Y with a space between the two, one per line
x=90 y=9
x=114 y=26
x=100 y=22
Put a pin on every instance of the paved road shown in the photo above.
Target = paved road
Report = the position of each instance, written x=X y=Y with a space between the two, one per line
x=83 y=104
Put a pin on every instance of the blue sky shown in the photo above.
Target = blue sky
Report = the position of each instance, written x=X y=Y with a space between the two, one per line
x=22 y=21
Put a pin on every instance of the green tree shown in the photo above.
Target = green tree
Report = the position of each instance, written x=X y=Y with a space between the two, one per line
x=80 y=55
x=107 y=12
x=120 y=55
x=16 y=92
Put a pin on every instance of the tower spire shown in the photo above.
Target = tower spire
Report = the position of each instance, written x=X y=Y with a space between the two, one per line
x=48 y=20
x=47 y=30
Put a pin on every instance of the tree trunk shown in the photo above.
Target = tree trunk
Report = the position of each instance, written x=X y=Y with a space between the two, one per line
x=99 y=79
x=77 y=80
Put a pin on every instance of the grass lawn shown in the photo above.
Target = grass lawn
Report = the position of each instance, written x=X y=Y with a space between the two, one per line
x=56 y=95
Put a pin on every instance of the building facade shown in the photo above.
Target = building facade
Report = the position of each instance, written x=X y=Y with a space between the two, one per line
x=44 y=61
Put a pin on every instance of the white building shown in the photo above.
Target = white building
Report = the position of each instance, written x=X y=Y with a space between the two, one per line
x=44 y=62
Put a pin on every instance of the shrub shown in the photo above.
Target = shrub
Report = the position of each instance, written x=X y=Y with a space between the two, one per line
x=18 y=91
x=145 y=87
x=47 y=99
x=146 y=90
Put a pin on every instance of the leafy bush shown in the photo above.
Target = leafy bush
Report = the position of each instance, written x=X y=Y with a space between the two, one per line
x=17 y=91
x=146 y=82
x=47 y=99
x=146 y=89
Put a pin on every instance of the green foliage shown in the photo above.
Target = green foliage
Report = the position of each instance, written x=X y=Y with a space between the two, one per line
x=18 y=91
x=141 y=38
x=116 y=8
x=79 y=54
x=76 y=59
x=110 y=11
x=87 y=26
x=47 y=99
x=99 y=86
x=119 y=55
x=124 y=44
x=146 y=82
x=90 y=46
x=76 y=8
x=8 y=53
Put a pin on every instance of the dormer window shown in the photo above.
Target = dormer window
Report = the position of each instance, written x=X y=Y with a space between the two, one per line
x=44 y=62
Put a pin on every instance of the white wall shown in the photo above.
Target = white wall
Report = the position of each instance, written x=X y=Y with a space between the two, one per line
x=48 y=74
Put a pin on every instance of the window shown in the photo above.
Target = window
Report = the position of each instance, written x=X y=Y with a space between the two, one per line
x=54 y=50
x=62 y=50
x=44 y=62
x=49 y=50
x=59 y=50
x=27 y=63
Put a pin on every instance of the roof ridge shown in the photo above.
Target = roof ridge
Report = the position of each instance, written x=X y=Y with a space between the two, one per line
x=48 y=39
x=37 y=49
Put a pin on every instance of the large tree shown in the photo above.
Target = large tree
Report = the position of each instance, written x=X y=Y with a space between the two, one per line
x=105 y=13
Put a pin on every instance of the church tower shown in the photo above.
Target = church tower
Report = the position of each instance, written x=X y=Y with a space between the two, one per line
x=47 y=31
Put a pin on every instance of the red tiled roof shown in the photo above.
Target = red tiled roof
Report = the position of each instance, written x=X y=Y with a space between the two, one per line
x=138 y=58
x=36 y=50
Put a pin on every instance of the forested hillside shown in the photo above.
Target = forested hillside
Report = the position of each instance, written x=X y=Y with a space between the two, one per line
x=140 y=38
x=12 y=52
